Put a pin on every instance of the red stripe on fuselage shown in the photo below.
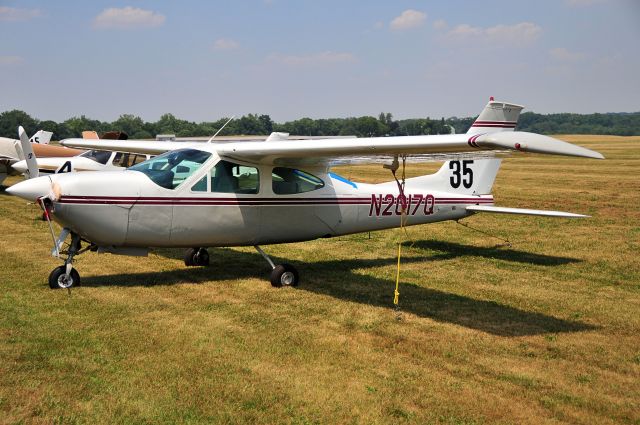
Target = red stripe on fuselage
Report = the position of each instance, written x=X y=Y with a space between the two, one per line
x=102 y=200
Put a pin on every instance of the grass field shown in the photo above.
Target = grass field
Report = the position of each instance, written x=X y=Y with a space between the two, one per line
x=545 y=331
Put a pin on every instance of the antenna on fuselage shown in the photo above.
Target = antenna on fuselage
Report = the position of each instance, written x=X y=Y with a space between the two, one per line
x=221 y=128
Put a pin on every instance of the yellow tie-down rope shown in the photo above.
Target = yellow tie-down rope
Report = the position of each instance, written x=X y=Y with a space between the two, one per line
x=403 y=220
x=397 y=292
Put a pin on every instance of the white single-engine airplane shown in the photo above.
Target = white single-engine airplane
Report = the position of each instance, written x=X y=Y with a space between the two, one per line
x=255 y=193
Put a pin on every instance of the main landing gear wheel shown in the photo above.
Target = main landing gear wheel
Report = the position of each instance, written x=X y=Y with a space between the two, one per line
x=196 y=257
x=58 y=278
x=284 y=275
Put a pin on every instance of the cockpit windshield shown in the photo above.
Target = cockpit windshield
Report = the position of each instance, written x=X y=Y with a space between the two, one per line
x=169 y=170
x=98 y=156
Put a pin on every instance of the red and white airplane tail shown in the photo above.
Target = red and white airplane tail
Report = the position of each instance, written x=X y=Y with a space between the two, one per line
x=495 y=117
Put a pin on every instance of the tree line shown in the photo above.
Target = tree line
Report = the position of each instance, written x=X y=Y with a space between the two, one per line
x=622 y=124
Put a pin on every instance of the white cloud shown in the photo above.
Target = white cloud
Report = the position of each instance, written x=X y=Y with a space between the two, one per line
x=322 y=58
x=225 y=44
x=440 y=25
x=16 y=14
x=564 y=55
x=11 y=60
x=501 y=35
x=408 y=19
x=128 y=18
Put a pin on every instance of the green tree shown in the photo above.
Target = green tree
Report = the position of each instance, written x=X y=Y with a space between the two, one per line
x=128 y=123
x=10 y=120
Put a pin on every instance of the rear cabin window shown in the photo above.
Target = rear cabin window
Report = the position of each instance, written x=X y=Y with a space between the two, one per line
x=288 y=181
x=169 y=170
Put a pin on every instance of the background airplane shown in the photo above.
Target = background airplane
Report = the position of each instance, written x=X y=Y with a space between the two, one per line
x=12 y=152
x=92 y=160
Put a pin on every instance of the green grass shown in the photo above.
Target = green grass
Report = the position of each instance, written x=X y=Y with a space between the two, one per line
x=545 y=331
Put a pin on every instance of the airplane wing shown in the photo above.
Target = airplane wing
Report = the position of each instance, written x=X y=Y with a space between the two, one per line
x=324 y=150
x=150 y=147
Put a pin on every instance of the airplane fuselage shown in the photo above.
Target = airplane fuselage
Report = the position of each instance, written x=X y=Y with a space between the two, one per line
x=127 y=209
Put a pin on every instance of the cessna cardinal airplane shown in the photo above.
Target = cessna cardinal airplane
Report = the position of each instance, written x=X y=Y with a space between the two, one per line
x=256 y=193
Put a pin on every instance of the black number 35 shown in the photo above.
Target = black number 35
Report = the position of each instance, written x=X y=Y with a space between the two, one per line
x=461 y=173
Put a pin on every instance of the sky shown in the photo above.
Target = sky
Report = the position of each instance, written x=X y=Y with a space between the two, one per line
x=203 y=60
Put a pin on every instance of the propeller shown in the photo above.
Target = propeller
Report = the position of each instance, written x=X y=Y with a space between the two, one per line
x=29 y=156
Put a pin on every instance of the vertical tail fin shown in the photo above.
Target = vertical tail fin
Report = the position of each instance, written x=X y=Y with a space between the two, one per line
x=464 y=176
x=496 y=116
x=42 y=137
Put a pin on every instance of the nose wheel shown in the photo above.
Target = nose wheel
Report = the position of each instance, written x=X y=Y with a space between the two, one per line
x=281 y=274
x=58 y=279
x=196 y=257
x=65 y=276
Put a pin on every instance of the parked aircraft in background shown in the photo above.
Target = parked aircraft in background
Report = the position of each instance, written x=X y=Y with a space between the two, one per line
x=11 y=151
x=255 y=193
x=93 y=160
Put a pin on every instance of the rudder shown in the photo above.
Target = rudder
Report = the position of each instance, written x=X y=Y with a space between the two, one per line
x=496 y=116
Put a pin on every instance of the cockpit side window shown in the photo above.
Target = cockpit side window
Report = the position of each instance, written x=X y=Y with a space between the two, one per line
x=201 y=185
x=124 y=159
x=227 y=177
x=288 y=181
x=169 y=170
x=98 y=156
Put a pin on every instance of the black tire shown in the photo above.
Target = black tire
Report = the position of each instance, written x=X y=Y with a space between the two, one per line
x=57 y=276
x=284 y=275
x=189 y=255
x=196 y=257
x=201 y=258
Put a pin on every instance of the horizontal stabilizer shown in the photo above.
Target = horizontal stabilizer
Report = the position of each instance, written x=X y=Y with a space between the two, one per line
x=534 y=143
x=522 y=211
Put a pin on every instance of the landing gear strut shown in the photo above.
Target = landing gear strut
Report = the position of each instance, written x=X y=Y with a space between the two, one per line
x=281 y=274
x=66 y=276
x=196 y=257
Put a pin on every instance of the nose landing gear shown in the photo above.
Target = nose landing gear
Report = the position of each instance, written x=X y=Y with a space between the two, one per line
x=66 y=276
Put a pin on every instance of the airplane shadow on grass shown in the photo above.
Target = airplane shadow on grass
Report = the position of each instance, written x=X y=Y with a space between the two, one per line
x=337 y=279
x=450 y=250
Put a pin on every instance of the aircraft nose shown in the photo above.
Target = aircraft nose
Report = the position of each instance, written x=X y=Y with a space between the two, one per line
x=20 y=166
x=31 y=189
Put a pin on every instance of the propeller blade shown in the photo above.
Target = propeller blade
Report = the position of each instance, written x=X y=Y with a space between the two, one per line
x=29 y=156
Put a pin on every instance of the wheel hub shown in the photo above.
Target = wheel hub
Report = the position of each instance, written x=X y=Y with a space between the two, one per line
x=64 y=281
x=287 y=278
